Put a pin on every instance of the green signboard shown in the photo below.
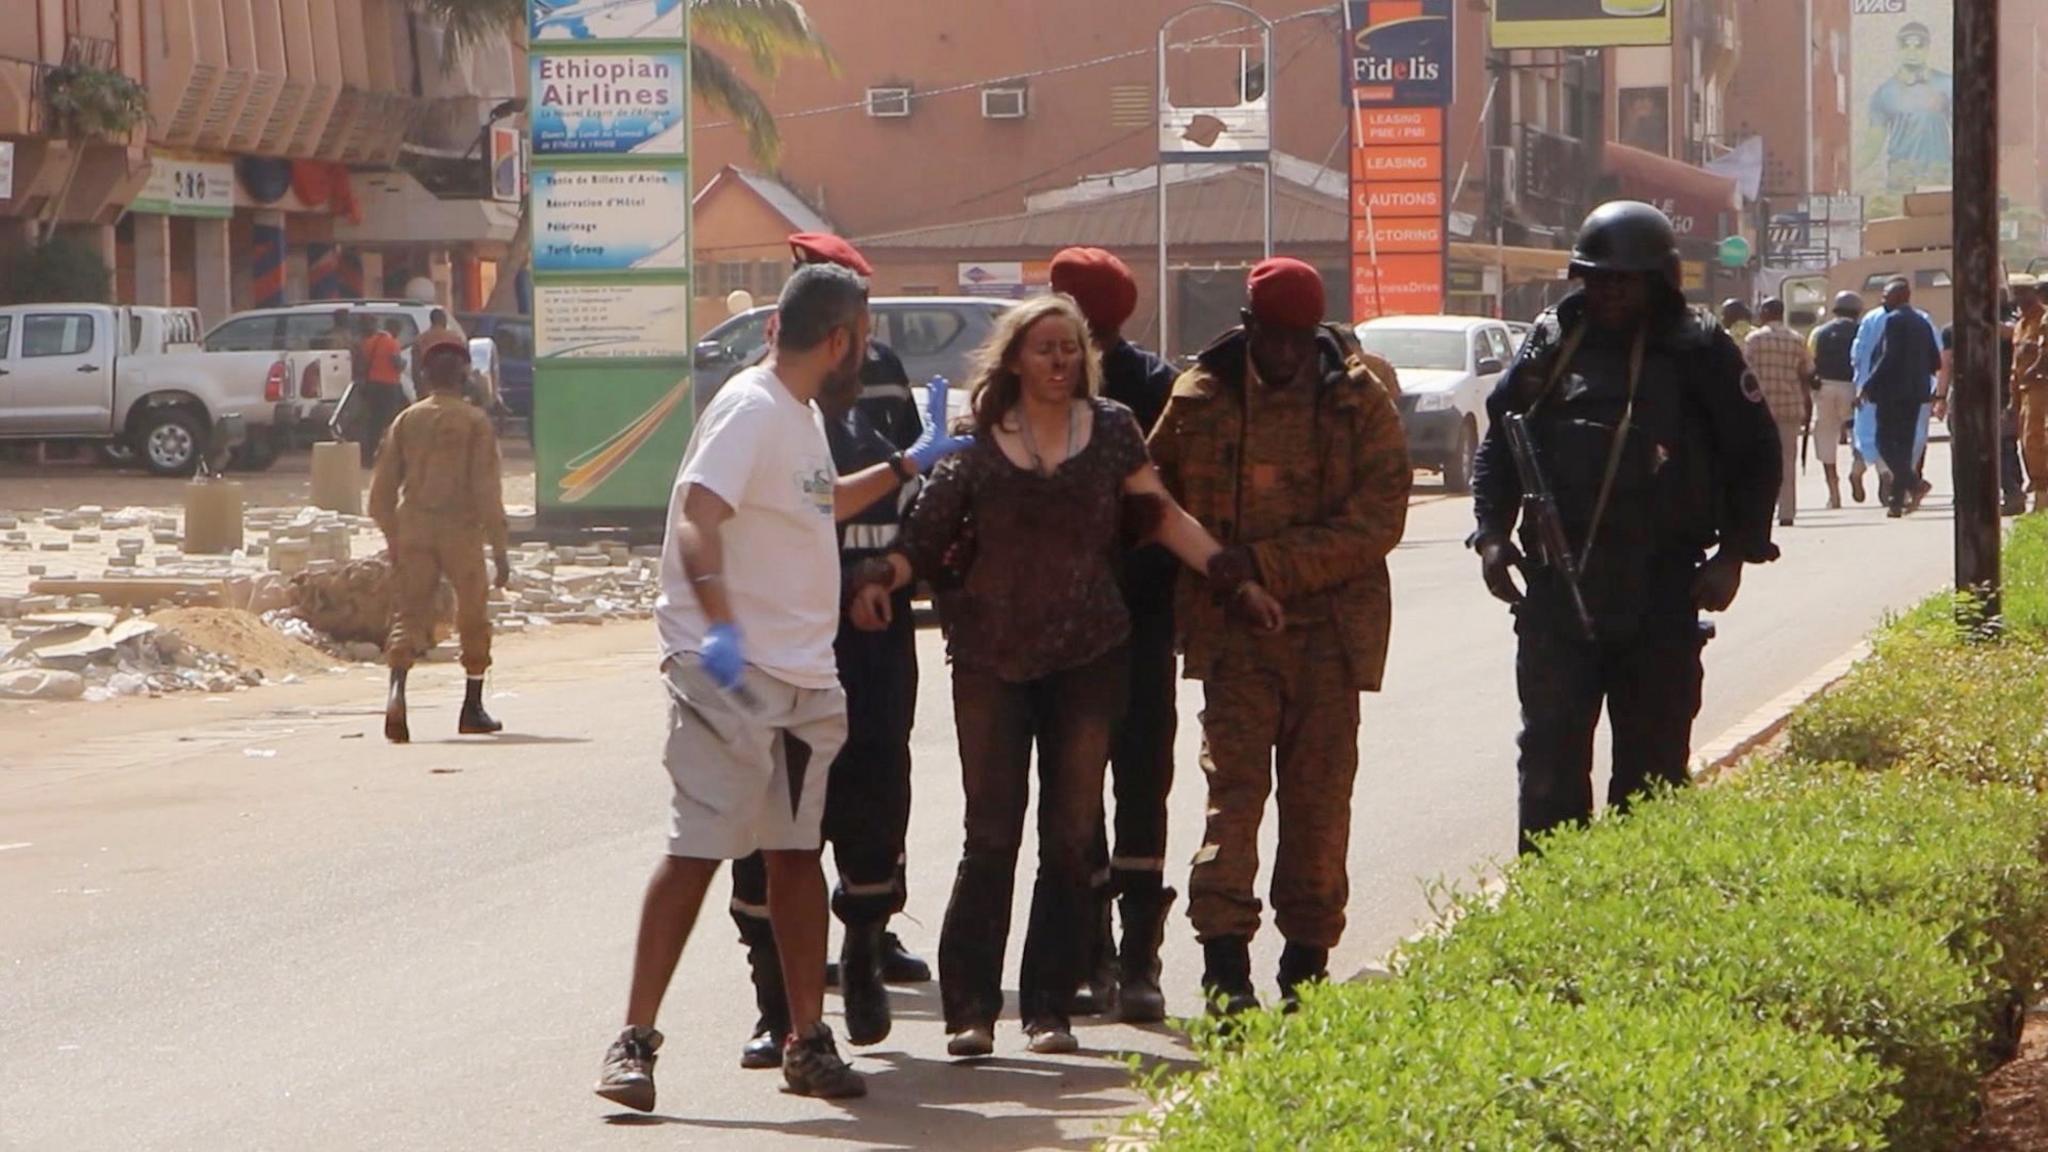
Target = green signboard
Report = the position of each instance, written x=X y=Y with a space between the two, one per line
x=609 y=208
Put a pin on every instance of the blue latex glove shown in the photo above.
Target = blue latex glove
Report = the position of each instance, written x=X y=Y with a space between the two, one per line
x=938 y=442
x=724 y=656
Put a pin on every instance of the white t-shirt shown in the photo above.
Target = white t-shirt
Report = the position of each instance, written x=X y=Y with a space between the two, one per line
x=764 y=453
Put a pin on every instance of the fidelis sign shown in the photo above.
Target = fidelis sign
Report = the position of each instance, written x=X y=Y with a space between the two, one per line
x=1400 y=53
x=1398 y=80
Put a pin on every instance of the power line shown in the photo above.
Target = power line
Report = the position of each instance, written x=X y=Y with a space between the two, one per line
x=1058 y=70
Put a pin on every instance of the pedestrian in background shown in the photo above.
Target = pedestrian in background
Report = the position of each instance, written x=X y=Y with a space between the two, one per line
x=867 y=805
x=1038 y=633
x=1288 y=446
x=438 y=495
x=1124 y=978
x=2012 y=480
x=340 y=336
x=2030 y=388
x=748 y=611
x=1784 y=368
x=1906 y=355
x=1735 y=319
x=383 y=384
x=1898 y=294
x=1656 y=441
x=1834 y=400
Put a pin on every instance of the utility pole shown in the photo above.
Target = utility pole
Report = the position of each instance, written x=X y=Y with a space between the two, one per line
x=1973 y=397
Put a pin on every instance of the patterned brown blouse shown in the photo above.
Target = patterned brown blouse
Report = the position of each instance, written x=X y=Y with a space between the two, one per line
x=1039 y=592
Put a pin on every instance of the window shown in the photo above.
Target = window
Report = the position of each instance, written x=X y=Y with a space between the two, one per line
x=737 y=340
x=6 y=337
x=917 y=332
x=769 y=277
x=1875 y=282
x=56 y=334
x=1004 y=102
x=249 y=334
x=1251 y=74
x=514 y=341
x=889 y=103
x=733 y=276
x=1427 y=348
x=304 y=331
x=1932 y=278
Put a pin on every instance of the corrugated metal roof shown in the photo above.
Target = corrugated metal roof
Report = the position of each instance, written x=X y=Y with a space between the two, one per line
x=1221 y=210
x=801 y=216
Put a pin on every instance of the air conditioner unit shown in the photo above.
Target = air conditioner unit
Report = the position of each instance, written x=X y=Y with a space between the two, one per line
x=1005 y=103
x=889 y=103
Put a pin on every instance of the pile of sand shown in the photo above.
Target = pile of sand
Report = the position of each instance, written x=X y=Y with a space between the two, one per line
x=245 y=639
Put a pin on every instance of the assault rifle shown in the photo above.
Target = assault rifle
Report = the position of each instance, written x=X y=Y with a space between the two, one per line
x=1539 y=511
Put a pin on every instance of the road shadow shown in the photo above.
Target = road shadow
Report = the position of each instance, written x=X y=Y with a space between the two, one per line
x=1002 y=1104
x=503 y=739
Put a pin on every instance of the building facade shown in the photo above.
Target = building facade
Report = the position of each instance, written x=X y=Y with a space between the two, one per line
x=277 y=161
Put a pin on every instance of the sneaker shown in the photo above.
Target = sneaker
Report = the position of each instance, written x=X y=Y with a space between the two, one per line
x=1051 y=1040
x=811 y=1067
x=970 y=1043
x=628 y=1077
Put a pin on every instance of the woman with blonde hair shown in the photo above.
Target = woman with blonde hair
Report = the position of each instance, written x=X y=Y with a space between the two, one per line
x=1031 y=523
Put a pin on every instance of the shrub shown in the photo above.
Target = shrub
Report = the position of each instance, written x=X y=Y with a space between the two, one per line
x=61 y=270
x=1386 y=1067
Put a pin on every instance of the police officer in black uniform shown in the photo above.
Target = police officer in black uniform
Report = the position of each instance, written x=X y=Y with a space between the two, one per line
x=867 y=800
x=1656 y=442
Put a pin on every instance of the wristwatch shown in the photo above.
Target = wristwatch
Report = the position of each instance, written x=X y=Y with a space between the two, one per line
x=902 y=467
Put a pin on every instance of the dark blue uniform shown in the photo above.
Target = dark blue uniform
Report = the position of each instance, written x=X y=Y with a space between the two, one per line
x=867 y=801
x=1699 y=468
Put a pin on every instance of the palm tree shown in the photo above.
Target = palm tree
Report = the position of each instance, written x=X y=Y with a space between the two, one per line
x=765 y=31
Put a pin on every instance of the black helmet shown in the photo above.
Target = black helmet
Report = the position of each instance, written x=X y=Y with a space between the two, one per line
x=1847 y=304
x=1735 y=307
x=1626 y=236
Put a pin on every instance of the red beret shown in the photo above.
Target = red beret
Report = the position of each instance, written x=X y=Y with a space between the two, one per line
x=1100 y=283
x=1286 y=293
x=825 y=248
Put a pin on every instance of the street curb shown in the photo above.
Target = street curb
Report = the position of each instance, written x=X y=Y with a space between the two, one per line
x=1765 y=724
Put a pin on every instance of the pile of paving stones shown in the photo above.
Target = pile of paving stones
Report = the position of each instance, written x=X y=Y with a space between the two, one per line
x=98 y=654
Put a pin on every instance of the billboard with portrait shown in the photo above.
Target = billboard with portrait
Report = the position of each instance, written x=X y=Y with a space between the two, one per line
x=1902 y=99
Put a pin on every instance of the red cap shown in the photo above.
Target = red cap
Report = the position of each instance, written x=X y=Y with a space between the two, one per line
x=825 y=248
x=1286 y=293
x=1100 y=283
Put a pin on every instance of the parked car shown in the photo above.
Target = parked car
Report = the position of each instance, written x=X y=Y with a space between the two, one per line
x=514 y=337
x=135 y=379
x=297 y=327
x=1518 y=331
x=933 y=335
x=1448 y=366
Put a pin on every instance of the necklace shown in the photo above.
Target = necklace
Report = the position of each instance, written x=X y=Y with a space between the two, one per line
x=1031 y=439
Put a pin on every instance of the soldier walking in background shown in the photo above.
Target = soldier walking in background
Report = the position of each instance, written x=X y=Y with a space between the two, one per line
x=2030 y=389
x=438 y=496
x=1784 y=369
x=1288 y=448
x=1125 y=978
x=1653 y=443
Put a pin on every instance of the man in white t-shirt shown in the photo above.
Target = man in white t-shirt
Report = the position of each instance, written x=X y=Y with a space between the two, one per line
x=749 y=608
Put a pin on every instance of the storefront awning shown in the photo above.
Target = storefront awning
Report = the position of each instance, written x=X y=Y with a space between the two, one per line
x=1522 y=264
x=1702 y=206
x=398 y=210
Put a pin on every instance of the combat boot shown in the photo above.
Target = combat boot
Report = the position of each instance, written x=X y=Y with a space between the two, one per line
x=771 y=999
x=1097 y=997
x=474 y=720
x=1138 y=998
x=900 y=965
x=1227 y=976
x=1300 y=964
x=865 y=1000
x=396 y=729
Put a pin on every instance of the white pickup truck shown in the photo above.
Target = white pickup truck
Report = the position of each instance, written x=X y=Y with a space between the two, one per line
x=134 y=379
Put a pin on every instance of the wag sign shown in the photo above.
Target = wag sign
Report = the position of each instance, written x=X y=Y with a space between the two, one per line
x=1398 y=81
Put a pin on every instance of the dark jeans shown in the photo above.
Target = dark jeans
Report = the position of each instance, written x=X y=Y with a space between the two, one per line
x=1141 y=758
x=1069 y=717
x=2012 y=477
x=381 y=405
x=1648 y=675
x=1898 y=427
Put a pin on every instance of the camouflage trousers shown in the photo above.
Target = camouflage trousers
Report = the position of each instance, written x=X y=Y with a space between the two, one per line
x=1284 y=710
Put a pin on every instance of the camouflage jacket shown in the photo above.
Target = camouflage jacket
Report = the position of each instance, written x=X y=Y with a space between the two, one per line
x=1320 y=498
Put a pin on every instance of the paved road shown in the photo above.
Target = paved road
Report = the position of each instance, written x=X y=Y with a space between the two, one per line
x=251 y=925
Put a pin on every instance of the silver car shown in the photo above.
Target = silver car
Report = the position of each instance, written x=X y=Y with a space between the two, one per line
x=932 y=335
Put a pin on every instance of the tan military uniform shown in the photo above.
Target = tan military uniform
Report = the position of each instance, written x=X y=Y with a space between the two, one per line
x=439 y=499
x=2030 y=393
x=1314 y=478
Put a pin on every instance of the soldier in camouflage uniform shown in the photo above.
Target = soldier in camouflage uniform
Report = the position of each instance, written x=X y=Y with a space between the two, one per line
x=1284 y=442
